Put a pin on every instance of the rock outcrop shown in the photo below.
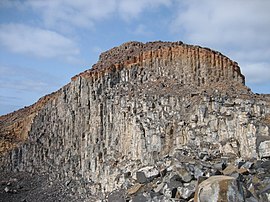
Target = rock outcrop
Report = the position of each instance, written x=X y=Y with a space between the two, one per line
x=219 y=188
x=16 y=126
x=140 y=104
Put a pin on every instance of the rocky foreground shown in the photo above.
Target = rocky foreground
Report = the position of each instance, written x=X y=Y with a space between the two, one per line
x=161 y=121
x=188 y=175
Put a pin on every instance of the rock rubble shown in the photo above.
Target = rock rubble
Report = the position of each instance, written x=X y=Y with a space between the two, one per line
x=219 y=178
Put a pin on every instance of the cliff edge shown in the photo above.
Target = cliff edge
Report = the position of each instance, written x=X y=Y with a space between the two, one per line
x=139 y=107
x=203 y=66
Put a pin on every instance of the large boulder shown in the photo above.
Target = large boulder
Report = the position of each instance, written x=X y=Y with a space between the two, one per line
x=219 y=189
x=263 y=146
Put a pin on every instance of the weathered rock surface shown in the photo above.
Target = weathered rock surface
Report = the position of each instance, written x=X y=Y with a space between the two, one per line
x=219 y=188
x=147 y=120
x=14 y=127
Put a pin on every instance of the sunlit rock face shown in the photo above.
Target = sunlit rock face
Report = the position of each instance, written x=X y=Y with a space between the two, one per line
x=139 y=104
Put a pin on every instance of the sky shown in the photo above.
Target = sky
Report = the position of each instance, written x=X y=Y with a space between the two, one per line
x=44 y=43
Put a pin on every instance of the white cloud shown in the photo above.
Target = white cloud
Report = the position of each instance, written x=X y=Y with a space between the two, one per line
x=257 y=73
x=20 y=38
x=85 y=13
x=11 y=4
x=254 y=55
x=132 y=8
x=242 y=23
x=69 y=12
x=240 y=29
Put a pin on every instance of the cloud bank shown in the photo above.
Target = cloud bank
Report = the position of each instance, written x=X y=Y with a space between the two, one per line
x=25 y=39
x=239 y=29
x=225 y=23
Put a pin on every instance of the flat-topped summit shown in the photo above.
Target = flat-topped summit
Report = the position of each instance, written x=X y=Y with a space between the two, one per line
x=204 y=65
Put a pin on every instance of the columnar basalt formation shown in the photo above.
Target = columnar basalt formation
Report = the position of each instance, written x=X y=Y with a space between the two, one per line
x=137 y=105
x=16 y=126
x=199 y=66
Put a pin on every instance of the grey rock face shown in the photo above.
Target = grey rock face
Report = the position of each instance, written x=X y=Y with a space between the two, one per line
x=148 y=111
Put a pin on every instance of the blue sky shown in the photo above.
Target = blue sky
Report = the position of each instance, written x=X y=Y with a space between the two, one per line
x=44 y=43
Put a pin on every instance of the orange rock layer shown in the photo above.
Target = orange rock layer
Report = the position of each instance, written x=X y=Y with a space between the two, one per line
x=213 y=63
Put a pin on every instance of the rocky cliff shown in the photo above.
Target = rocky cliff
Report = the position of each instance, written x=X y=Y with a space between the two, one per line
x=138 y=106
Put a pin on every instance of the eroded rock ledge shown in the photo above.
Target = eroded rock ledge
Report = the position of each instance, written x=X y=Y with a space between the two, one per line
x=205 y=65
x=140 y=104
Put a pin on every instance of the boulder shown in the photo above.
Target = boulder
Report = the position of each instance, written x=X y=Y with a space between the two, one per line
x=263 y=146
x=220 y=166
x=219 y=189
x=187 y=191
x=198 y=172
x=146 y=174
x=184 y=174
x=175 y=181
